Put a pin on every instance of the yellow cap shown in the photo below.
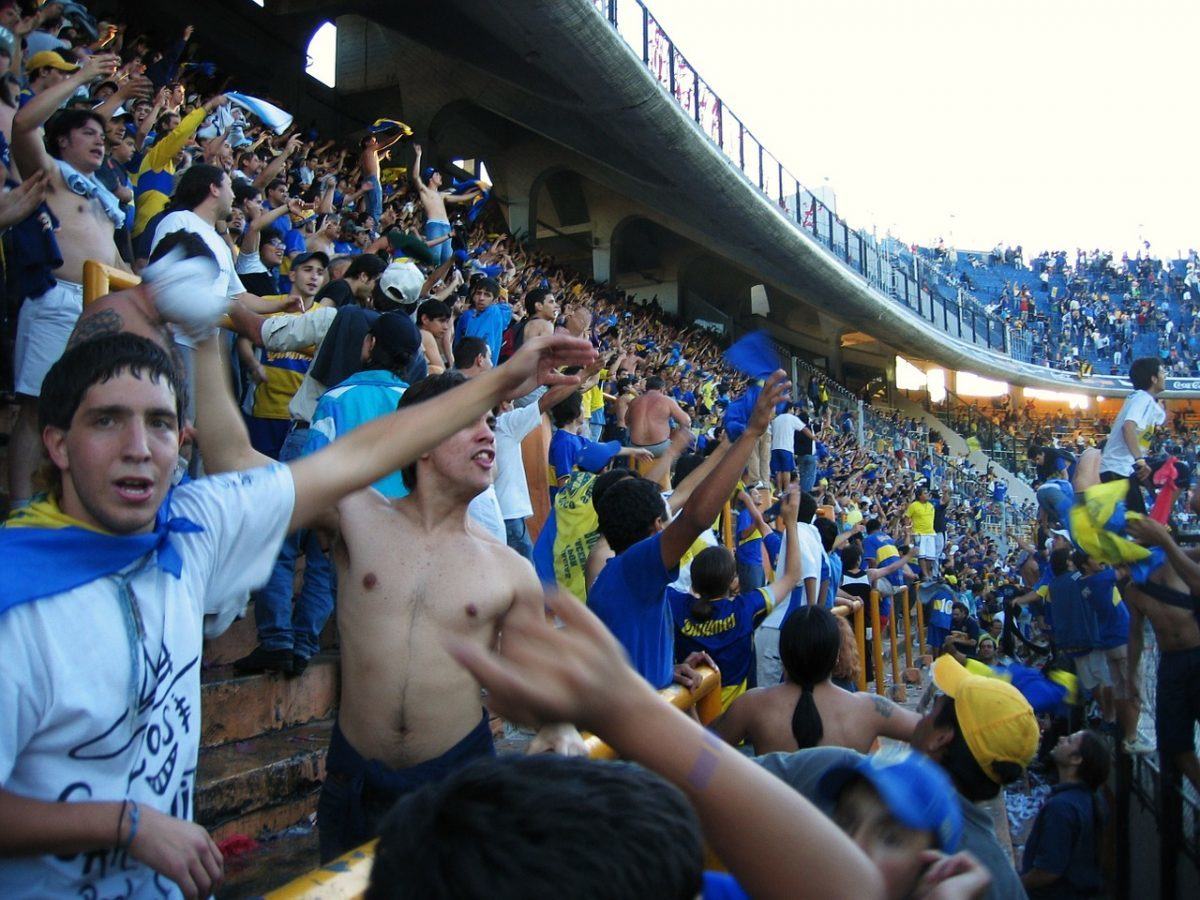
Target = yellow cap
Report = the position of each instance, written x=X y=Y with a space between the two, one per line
x=997 y=723
x=48 y=59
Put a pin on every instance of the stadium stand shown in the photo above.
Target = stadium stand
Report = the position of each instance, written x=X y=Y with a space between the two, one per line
x=202 y=290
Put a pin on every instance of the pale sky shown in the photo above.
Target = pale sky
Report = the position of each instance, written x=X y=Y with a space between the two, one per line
x=1057 y=123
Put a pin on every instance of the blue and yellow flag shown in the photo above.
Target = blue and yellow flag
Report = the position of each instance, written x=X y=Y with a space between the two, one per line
x=50 y=552
x=1097 y=526
x=380 y=125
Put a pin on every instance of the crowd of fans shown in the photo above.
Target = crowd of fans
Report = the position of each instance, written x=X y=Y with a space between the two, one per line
x=1090 y=313
x=337 y=355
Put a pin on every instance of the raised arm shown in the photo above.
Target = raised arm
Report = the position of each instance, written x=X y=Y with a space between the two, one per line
x=1148 y=531
x=789 y=507
x=707 y=500
x=275 y=166
x=224 y=440
x=776 y=843
x=28 y=150
x=391 y=442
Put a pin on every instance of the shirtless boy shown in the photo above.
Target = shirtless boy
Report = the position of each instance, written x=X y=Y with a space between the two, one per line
x=650 y=418
x=409 y=715
x=428 y=183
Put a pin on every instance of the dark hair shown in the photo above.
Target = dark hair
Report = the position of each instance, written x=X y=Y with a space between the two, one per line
x=533 y=298
x=713 y=571
x=526 y=826
x=684 y=467
x=808 y=507
x=194 y=186
x=433 y=309
x=365 y=264
x=491 y=285
x=1144 y=369
x=467 y=350
x=960 y=764
x=602 y=482
x=654 y=383
x=1060 y=560
x=567 y=410
x=851 y=555
x=243 y=190
x=275 y=183
x=191 y=243
x=958 y=604
x=828 y=532
x=63 y=123
x=426 y=389
x=627 y=511
x=95 y=361
x=1093 y=760
x=808 y=649
x=160 y=126
x=873 y=525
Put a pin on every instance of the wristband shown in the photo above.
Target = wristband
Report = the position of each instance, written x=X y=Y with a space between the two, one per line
x=134 y=816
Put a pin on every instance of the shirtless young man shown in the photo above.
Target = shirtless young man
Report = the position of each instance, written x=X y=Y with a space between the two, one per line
x=1169 y=601
x=408 y=713
x=650 y=418
x=87 y=219
x=428 y=183
x=368 y=161
x=541 y=310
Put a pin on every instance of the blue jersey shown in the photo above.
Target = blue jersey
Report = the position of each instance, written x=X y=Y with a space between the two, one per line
x=725 y=635
x=629 y=597
x=1112 y=616
x=749 y=549
x=1073 y=620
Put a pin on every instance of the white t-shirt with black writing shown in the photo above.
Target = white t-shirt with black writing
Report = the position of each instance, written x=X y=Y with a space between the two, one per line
x=72 y=730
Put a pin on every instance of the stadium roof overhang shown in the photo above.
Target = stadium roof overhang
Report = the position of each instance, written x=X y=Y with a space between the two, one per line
x=560 y=70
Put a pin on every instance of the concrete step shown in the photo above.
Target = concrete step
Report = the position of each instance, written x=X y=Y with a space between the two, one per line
x=244 y=777
x=240 y=707
x=241 y=637
x=273 y=864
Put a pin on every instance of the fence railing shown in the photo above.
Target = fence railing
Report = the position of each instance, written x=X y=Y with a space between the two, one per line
x=921 y=288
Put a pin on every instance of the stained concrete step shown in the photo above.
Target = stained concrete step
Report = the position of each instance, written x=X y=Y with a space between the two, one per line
x=240 y=707
x=272 y=865
x=245 y=777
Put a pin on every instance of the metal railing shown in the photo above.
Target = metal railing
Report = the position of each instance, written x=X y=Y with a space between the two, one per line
x=922 y=289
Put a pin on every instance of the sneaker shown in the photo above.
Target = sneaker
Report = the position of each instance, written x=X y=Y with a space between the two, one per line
x=299 y=664
x=1139 y=746
x=261 y=659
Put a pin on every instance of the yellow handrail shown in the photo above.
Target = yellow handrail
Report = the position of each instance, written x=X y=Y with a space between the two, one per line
x=877 y=643
x=892 y=644
x=346 y=877
x=921 y=651
x=907 y=630
x=860 y=638
x=100 y=279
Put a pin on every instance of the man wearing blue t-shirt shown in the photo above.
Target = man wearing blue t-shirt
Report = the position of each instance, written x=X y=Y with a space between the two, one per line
x=486 y=319
x=1112 y=620
x=629 y=595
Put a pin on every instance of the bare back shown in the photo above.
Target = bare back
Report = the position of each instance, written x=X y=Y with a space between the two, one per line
x=763 y=717
x=649 y=419
x=404 y=700
x=1174 y=628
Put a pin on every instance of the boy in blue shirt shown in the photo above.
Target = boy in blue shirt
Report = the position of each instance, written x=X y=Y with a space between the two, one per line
x=750 y=533
x=629 y=595
x=486 y=318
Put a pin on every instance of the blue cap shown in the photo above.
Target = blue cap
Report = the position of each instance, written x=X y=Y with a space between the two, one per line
x=593 y=457
x=915 y=789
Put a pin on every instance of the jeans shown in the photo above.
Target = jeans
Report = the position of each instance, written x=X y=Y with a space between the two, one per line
x=518 y=537
x=373 y=201
x=806 y=469
x=443 y=251
x=280 y=627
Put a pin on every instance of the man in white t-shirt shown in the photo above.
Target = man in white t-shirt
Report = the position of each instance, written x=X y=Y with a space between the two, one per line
x=100 y=629
x=812 y=553
x=783 y=441
x=1128 y=442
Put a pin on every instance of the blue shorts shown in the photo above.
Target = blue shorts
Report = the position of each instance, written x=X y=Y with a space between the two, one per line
x=783 y=461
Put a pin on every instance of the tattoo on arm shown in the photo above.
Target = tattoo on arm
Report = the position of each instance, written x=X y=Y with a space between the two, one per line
x=104 y=322
x=883 y=706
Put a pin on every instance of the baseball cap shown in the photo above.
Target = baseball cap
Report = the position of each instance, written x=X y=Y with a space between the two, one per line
x=396 y=333
x=401 y=282
x=997 y=722
x=915 y=790
x=48 y=59
x=320 y=257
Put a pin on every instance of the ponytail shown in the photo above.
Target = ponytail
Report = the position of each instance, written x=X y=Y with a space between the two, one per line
x=808 y=647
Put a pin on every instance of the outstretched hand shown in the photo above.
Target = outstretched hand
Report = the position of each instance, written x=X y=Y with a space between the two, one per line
x=775 y=391
x=1148 y=531
x=538 y=361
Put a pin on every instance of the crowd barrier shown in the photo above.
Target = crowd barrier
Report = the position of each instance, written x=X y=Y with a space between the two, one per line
x=346 y=877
